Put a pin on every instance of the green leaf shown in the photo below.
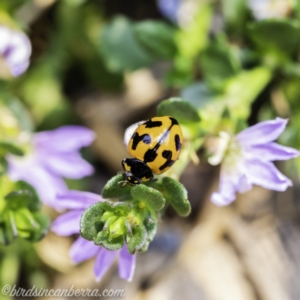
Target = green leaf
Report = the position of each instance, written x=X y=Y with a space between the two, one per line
x=9 y=227
x=90 y=222
x=103 y=240
x=198 y=94
x=151 y=227
x=138 y=239
x=26 y=196
x=116 y=206
x=3 y=166
x=219 y=62
x=114 y=189
x=157 y=37
x=153 y=198
x=24 y=220
x=181 y=110
x=2 y=235
x=120 y=47
x=20 y=112
x=243 y=89
x=11 y=147
x=235 y=13
x=176 y=195
x=42 y=90
x=276 y=35
x=190 y=40
x=193 y=38
x=43 y=227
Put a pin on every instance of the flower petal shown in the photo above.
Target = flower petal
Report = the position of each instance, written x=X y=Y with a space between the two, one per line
x=18 y=69
x=46 y=184
x=82 y=250
x=243 y=185
x=227 y=189
x=126 y=264
x=77 y=199
x=169 y=8
x=67 y=165
x=20 y=49
x=67 y=223
x=64 y=139
x=262 y=133
x=5 y=34
x=265 y=174
x=103 y=262
x=272 y=152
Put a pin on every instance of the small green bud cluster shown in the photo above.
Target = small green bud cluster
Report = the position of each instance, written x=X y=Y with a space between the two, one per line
x=134 y=219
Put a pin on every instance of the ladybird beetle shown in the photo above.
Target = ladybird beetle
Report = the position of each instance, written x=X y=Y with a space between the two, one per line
x=155 y=146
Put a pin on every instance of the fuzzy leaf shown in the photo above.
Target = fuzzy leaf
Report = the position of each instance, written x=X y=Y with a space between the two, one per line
x=116 y=206
x=139 y=238
x=90 y=222
x=151 y=227
x=176 y=195
x=102 y=239
x=152 y=197
x=113 y=188
x=181 y=110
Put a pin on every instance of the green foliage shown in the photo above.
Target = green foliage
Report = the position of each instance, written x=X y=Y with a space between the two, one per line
x=114 y=189
x=157 y=38
x=198 y=94
x=120 y=47
x=219 y=61
x=20 y=215
x=181 y=110
x=132 y=221
x=219 y=74
x=190 y=41
x=111 y=224
x=153 y=198
x=176 y=195
x=10 y=147
x=279 y=39
x=19 y=111
x=235 y=13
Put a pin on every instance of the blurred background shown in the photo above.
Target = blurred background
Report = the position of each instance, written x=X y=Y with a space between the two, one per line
x=107 y=64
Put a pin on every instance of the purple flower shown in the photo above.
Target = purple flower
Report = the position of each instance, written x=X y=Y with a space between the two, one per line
x=15 y=49
x=169 y=8
x=54 y=155
x=247 y=160
x=81 y=250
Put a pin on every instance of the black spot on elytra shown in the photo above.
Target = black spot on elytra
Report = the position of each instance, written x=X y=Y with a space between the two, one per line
x=152 y=124
x=151 y=154
x=177 y=142
x=174 y=121
x=136 y=138
x=168 y=155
